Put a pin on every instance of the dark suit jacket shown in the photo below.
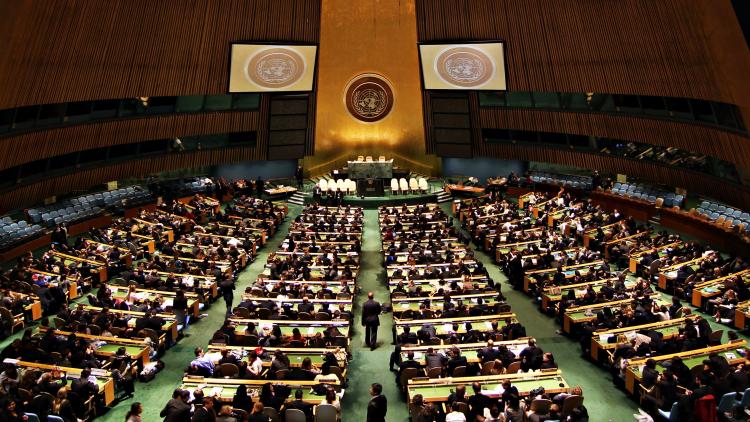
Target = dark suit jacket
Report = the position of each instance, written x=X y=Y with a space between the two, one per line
x=377 y=408
x=408 y=364
x=454 y=363
x=301 y=405
x=84 y=388
x=488 y=354
x=203 y=415
x=176 y=410
x=370 y=313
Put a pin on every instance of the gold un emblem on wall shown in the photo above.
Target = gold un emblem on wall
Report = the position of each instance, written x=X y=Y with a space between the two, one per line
x=368 y=97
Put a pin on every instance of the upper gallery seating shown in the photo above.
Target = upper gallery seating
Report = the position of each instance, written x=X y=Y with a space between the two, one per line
x=87 y=206
x=717 y=211
x=579 y=182
x=13 y=233
x=647 y=193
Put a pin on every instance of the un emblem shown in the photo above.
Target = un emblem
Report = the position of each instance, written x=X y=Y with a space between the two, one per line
x=368 y=97
x=275 y=67
x=464 y=66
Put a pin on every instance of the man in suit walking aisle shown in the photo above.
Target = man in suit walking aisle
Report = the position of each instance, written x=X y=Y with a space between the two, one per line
x=371 y=320
x=378 y=405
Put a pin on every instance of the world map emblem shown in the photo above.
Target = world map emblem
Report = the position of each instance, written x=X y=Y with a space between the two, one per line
x=275 y=67
x=369 y=97
x=464 y=66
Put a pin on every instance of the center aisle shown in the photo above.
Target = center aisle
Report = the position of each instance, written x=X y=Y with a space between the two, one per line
x=603 y=400
x=368 y=366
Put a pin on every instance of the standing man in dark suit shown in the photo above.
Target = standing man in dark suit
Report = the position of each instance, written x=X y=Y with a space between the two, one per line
x=300 y=175
x=259 y=186
x=371 y=320
x=378 y=405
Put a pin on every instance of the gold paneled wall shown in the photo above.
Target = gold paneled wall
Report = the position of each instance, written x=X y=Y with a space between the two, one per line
x=369 y=37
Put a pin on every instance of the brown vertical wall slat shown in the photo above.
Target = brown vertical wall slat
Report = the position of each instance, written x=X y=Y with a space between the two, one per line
x=649 y=47
x=91 y=49
x=643 y=47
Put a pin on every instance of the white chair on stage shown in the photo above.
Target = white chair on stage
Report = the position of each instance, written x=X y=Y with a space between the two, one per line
x=394 y=186
x=332 y=186
x=413 y=185
x=423 y=186
x=323 y=185
x=351 y=186
x=341 y=186
x=368 y=158
x=404 y=185
x=381 y=158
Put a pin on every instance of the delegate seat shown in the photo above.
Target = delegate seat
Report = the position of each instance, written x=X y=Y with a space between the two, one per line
x=404 y=185
x=394 y=186
x=413 y=185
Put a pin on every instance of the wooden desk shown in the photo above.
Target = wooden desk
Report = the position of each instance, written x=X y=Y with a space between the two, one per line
x=137 y=349
x=222 y=238
x=296 y=355
x=444 y=326
x=600 y=345
x=550 y=297
x=205 y=281
x=690 y=359
x=474 y=190
x=121 y=292
x=106 y=383
x=635 y=258
x=468 y=350
x=576 y=315
x=169 y=233
x=125 y=255
x=668 y=274
x=146 y=243
x=708 y=289
x=225 y=389
x=184 y=247
x=627 y=239
x=72 y=281
x=169 y=327
x=437 y=390
x=569 y=272
x=96 y=266
x=741 y=314
x=307 y=328
x=590 y=234
x=402 y=304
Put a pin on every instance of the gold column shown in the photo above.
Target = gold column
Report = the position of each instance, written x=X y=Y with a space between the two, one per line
x=376 y=37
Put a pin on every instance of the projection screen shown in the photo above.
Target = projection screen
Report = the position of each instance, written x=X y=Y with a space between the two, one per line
x=264 y=67
x=469 y=66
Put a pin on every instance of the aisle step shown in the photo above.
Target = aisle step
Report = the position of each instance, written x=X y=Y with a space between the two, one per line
x=443 y=196
x=298 y=198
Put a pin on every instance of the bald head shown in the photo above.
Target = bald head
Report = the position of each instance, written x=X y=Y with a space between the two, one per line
x=370 y=295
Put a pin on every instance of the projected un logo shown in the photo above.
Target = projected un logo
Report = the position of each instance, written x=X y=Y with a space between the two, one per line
x=275 y=68
x=464 y=66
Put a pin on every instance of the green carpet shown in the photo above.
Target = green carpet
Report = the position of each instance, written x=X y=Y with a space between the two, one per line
x=155 y=394
x=604 y=401
x=368 y=366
